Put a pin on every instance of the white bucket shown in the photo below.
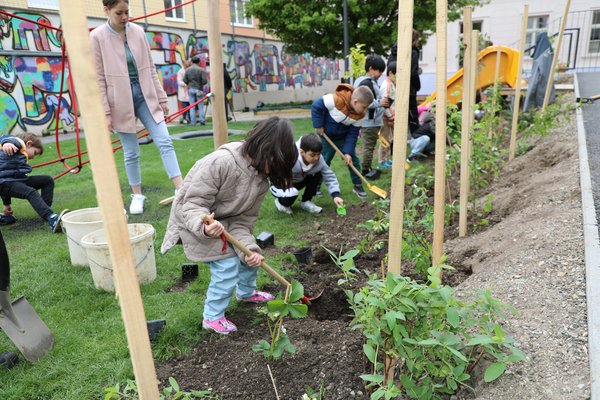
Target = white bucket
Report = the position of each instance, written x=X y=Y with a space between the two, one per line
x=141 y=237
x=76 y=224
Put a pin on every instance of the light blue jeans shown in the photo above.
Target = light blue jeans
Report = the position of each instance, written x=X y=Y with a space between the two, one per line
x=158 y=133
x=196 y=95
x=225 y=275
x=421 y=144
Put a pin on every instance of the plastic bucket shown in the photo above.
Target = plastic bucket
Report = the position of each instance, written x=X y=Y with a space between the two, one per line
x=141 y=237
x=303 y=255
x=76 y=224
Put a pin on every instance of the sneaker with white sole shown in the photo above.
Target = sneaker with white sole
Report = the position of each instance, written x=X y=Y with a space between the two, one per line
x=280 y=207
x=310 y=207
x=359 y=191
x=137 y=204
x=256 y=297
x=221 y=325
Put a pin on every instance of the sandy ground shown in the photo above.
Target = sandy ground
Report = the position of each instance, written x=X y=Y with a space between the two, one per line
x=534 y=260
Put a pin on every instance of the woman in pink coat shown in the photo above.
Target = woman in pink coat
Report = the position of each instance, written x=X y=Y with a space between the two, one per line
x=130 y=88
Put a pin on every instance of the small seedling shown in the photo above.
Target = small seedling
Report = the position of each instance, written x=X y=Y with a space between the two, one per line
x=341 y=210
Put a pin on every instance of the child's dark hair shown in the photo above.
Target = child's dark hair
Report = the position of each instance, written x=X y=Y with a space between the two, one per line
x=376 y=62
x=35 y=141
x=391 y=68
x=111 y=3
x=272 y=151
x=311 y=142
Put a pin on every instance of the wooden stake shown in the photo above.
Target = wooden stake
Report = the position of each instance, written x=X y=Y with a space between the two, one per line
x=109 y=195
x=441 y=27
x=563 y=22
x=495 y=89
x=466 y=126
x=517 y=102
x=217 y=85
x=405 y=27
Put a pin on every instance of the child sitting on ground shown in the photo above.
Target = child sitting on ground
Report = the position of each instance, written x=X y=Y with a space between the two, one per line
x=339 y=115
x=229 y=185
x=14 y=182
x=422 y=141
x=308 y=171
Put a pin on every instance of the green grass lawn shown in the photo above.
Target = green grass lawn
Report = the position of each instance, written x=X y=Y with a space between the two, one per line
x=90 y=351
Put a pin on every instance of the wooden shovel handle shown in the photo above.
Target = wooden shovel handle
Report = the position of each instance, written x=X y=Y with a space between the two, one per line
x=208 y=220
x=362 y=178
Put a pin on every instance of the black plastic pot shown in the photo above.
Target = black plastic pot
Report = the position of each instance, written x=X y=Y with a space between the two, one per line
x=303 y=255
x=155 y=327
x=189 y=272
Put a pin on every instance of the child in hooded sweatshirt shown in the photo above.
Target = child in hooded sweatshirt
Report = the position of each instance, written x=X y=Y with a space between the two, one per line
x=229 y=184
x=339 y=115
x=15 y=182
x=307 y=173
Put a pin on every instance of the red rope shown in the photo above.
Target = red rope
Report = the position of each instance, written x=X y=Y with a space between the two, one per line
x=30 y=20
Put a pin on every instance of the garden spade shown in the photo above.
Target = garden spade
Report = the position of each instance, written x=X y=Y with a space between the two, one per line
x=588 y=100
x=19 y=320
x=376 y=190
x=274 y=274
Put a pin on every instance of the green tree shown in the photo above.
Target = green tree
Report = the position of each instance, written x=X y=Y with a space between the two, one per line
x=316 y=27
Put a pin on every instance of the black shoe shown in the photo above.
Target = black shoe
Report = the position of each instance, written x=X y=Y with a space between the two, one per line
x=7 y=219
x=373 y=174
x=55 y=219
x=202 y=123
x=8 y=360
x=359 y=191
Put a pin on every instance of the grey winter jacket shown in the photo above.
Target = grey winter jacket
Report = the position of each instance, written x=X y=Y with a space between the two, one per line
x=374 y=115
x=225 y=183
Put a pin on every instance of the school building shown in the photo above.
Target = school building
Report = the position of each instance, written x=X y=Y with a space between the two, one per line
x=259 y=65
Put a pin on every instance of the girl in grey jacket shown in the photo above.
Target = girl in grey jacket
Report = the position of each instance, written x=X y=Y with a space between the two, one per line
x=230 y=184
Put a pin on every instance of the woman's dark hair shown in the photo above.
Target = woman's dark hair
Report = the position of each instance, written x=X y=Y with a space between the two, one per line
x=416 y=37
x=311 y=142
x=111 y=3
x=272 y=151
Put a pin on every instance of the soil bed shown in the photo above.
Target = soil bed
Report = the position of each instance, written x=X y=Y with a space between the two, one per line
x=531 y=257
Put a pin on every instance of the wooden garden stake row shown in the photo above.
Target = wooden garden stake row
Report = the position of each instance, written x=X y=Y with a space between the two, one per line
x=108 y=191
x=517 y=102
x=217 y=84
x=405 y=27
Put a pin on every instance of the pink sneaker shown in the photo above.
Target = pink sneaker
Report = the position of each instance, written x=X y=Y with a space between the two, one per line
x=221 y=325
x=257 y=297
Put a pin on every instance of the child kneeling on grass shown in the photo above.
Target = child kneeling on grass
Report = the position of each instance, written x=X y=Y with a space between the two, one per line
x=229 y=184
x=14 y=182
x=308 y=171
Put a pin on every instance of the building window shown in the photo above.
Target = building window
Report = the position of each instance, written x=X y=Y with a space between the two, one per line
x=237 y=10
x=535 y=26
x=477 y=26
x=594 y=46
x=176 y=13
x=45 y=4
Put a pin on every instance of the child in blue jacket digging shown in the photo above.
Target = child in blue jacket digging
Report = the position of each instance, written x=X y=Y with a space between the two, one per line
x=339 y=115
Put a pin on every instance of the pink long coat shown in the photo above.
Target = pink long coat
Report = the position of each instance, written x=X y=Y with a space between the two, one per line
x=113 y=76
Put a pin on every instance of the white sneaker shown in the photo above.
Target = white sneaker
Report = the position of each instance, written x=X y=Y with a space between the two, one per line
x=310 y=207
x=137 y=204
x=282 y=208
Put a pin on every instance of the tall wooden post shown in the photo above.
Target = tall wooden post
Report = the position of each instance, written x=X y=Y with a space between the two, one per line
x=495 y=89
x=441 y=28
x=217 y=84
x=563 y=22
x=405 y=27
x=465 y=138
x=474 y=83
x=517 y=102
x=109 y=195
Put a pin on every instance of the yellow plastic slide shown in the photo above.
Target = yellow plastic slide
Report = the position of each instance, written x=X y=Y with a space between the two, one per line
x=486 y=72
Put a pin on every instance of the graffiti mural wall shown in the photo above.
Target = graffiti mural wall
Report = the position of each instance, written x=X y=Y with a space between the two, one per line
x=33 y=84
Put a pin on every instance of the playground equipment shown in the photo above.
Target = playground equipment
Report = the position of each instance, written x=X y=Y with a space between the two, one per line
x=486 y=72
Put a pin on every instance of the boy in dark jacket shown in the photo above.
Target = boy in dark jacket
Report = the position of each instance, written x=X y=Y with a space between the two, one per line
x=14 y=182
x=339 y=115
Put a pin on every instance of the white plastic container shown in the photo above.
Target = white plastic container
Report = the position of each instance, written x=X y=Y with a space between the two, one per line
x=142 y=242
x=76 y=224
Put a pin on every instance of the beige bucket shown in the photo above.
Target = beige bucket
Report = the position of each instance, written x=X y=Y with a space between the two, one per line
x=76 y=225
x=141 y=237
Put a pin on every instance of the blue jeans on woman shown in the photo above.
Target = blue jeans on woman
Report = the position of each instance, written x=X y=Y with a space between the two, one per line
x=195 y=95
x=225 y=276
x=158 y=133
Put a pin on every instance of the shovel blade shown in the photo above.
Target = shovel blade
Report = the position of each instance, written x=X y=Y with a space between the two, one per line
x=378 y=191
x=30 y=334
